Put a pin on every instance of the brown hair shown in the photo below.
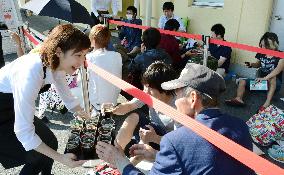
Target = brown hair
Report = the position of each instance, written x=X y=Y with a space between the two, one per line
x=101 y=34
x=66 y=37
x=270 y=41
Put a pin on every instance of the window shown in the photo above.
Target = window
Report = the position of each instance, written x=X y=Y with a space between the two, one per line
x=210 y=3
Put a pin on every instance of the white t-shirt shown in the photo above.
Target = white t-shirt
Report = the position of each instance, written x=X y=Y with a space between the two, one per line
x=24 y=78
x=103 y=5
x=164 y=19
x=100 y=90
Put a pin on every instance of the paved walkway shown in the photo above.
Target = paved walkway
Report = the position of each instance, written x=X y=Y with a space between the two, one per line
x=60 y=123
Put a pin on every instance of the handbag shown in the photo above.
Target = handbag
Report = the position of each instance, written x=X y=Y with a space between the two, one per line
x=267 y=126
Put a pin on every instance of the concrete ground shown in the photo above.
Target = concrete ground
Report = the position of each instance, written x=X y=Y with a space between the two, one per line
x=60 y=123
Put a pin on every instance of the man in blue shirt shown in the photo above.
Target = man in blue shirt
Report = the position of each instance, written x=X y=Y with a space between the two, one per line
x=149 y=54
x=221 y=53
x=183 y=151
x=130 y=37
x=168 y=10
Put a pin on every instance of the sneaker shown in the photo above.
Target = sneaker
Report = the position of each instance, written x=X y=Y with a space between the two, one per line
x=277 y=155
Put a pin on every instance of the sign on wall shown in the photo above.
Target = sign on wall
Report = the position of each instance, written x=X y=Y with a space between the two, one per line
x=10 y=15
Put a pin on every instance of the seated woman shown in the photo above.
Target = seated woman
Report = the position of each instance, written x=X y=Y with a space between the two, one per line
x=100 y=90
x=267 y=65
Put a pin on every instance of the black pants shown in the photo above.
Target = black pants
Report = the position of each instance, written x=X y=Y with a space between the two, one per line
x=12 y=153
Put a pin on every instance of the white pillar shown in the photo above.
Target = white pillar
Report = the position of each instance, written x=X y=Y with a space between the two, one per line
x=148 y=12
x=137 y=5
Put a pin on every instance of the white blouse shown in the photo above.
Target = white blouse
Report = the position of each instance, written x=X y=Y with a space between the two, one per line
x=103 y=5
x=24 y=78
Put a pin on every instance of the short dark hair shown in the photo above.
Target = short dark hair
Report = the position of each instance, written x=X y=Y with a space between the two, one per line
x=158 y=73
x=168 y=6
x=151 y=38
x=274 y=41
x=218 y=29
x=132 y=8
x=172 y=24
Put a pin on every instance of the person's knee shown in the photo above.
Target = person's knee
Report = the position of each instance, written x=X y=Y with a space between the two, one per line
x=132 y=120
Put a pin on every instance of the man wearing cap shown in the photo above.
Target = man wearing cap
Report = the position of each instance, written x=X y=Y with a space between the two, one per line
x=183 y=151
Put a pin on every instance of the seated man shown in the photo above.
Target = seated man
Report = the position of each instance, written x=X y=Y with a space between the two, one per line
x=182 y=151
x=158 y=123
x=169 y=42
x=221 y=53
x=100 y=90
x=150 y=53
x=168 y=10
x=130 y=37
x=267 y=65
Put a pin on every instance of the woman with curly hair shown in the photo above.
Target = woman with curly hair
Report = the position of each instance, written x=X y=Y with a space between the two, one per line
x=25 y=139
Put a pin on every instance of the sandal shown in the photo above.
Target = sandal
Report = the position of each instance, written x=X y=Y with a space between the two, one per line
x=235 y=102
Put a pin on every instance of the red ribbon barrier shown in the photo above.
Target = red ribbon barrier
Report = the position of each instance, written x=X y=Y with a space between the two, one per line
x=245 y=156
x=30 y=37
x=214 y=41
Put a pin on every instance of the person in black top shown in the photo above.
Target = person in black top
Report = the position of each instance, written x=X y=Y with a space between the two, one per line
x=221 y=53
x=270 y=69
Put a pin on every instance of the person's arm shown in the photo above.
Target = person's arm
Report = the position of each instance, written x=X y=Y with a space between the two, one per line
x=94 y=8
x=122 y=32
x=226 y=54
x=66 y=159
x=63 y=90
x=257 y=64
x=25 y=94
x=137 y=34
x=135 y=50
x=71 y=102
x=276 y=71
x=129 y=106
x=161 y=22
x=17 y=39
x=221 y=61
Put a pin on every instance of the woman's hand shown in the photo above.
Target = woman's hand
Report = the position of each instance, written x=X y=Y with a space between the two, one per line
x=15 y=37
x=71 y=161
